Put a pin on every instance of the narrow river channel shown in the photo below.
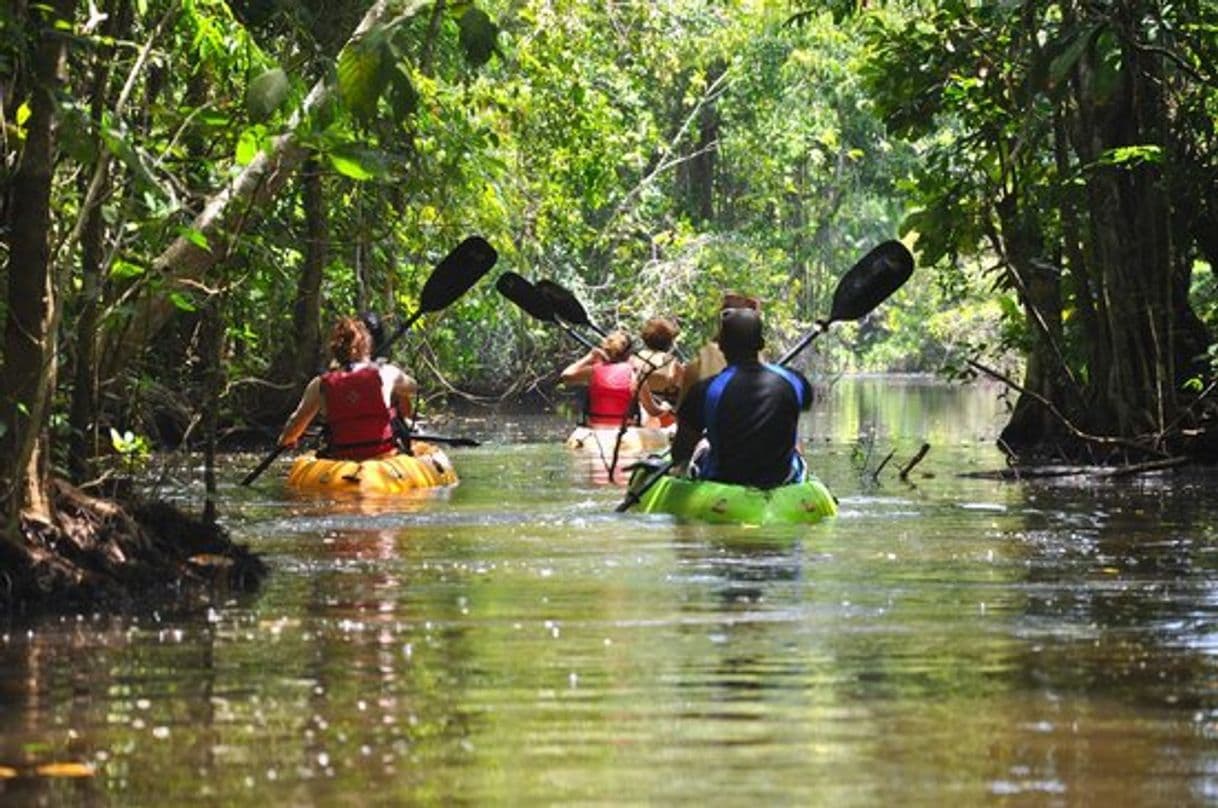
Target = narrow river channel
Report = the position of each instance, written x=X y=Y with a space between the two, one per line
x=943 y=641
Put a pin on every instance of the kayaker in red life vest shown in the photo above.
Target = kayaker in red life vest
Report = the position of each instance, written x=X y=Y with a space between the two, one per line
x=611 y=381
x=358 y=398
x=749 y=413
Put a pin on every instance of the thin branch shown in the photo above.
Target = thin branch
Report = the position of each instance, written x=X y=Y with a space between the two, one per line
x=915 y=460
x=713 y=93
x=1066 y=422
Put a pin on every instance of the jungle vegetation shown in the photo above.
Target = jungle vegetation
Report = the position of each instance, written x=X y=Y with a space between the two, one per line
x=192 y=189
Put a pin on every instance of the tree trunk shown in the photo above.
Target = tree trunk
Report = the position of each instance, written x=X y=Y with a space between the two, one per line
x=82 y=413
x=1045 y=372
x=27 y=380
x=297 y=361
x=211 y=346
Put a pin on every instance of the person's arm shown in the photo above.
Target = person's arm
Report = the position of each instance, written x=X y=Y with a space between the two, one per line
x=402 y=393
x=306 y=411
x=580 y=371
x=689 y=428
x=649 y=404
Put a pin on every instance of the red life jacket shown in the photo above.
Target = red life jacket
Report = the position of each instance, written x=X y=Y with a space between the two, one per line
x=359 y=421
x=610 y=394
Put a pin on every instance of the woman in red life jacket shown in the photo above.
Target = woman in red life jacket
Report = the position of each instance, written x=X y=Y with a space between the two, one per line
x=611 y=381
x=358 y=398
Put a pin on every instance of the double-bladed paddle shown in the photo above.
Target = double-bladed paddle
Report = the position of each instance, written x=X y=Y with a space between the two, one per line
x=534 y=303
x=566 y=305
x=451 y=278
x=404 y=433
x=866 y=285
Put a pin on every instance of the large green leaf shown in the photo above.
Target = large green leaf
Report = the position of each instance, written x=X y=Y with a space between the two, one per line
x=477 y=36
x=403 y=98
x=357 y=162
x=364 y=71
x=1064 y=63
x=266 y=93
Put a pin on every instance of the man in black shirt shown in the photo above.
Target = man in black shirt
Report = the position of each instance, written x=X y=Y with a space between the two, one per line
x=749 y=412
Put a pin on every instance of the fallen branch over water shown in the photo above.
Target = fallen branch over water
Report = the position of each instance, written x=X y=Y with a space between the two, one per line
x=1037 y=472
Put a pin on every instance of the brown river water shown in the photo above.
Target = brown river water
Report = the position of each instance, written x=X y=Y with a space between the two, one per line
x=943 y=641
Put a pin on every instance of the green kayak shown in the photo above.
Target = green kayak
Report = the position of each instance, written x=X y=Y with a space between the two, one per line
x=706 y=501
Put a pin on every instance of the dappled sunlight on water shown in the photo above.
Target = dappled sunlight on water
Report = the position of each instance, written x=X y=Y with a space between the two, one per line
x=944 y=640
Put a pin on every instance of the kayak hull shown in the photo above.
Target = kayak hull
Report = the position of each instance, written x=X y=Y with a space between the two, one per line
x=723 y=503
x=637 y=440
x=427 y=468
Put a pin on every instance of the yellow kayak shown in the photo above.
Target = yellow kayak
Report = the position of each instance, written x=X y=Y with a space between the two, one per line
x=638 y=440
x=428 y=467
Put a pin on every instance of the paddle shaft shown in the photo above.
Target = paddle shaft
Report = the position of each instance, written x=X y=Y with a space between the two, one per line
x=261 y=467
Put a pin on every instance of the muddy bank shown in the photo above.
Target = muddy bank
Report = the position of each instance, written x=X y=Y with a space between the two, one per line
x=102 y=555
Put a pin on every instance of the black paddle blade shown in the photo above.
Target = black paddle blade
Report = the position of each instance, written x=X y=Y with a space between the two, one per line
x=868 y=283
x=565 y=304
x=525 y=295
x=457 y=272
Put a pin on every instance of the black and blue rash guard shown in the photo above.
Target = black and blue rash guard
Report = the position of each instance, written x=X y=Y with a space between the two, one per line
x=750 y=413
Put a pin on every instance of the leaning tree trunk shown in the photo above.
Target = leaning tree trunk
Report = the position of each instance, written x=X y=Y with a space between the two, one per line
x=27 y=380
x=183 y=263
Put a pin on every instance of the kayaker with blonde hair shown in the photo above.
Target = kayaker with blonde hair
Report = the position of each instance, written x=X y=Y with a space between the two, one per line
x=358 y=398
x=709 y=359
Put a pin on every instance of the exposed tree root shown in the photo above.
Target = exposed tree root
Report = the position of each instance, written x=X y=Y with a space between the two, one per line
x=98 y=555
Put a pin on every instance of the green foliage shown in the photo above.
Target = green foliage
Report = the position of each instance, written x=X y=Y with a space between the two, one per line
x=648 y=156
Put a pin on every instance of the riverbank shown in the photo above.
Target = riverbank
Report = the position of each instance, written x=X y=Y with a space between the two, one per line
x=103 y=555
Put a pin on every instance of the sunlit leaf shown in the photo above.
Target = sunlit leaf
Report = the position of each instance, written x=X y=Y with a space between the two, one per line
x=66 y=769
x=23 y=113
x=1132 y=155
x=6 y=773
x=124 y=270
x=357 y=163
x=182 y=301
x=195 y=237
x=249 y=144
x=266 y=92
x=364 y=70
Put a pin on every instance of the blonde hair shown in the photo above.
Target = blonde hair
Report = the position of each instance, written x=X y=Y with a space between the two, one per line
x=616 y=346
x=350 y=341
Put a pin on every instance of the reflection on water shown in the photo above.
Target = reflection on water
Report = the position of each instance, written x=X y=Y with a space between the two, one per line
x=945 y=640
